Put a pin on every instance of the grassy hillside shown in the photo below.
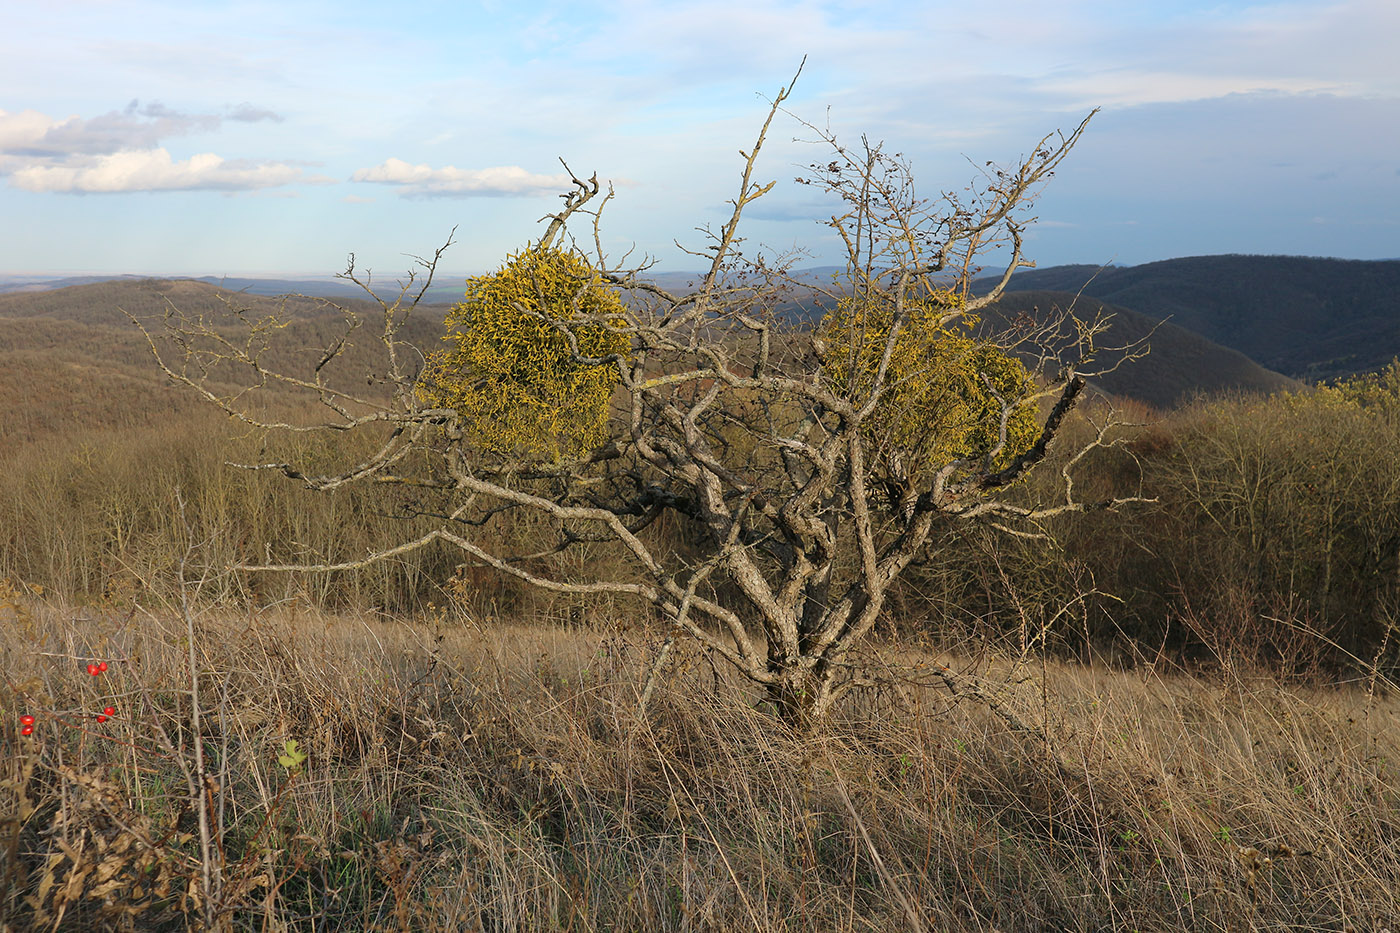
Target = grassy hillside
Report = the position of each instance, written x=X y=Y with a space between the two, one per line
x=1304 y=317
x=477 y=775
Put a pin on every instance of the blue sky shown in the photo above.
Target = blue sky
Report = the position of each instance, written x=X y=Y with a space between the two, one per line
x=196 y=138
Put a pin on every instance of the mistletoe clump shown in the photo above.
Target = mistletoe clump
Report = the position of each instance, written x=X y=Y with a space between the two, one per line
x=532 y=357
x=944 y=391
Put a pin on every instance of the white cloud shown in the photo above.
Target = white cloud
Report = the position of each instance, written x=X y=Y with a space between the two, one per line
x=1127 y=88
x=247 y=113
x=155 y=170
x=22 y=130
x=423 y=180
x=134 y=127
x=119 y=151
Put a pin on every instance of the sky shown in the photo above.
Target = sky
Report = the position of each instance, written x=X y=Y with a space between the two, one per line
x=267 y=138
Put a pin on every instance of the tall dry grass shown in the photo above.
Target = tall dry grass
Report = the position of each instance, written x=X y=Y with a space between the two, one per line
x=107 y=512
x=470 y=776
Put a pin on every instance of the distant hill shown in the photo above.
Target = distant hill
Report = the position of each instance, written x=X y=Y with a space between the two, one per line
x=107 y=301
x=70 y=358
x=39 y=283
x=445 y=290
x=1180 y=365
x=1307 y=318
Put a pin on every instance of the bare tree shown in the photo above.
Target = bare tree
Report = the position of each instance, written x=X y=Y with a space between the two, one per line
x=812 y=462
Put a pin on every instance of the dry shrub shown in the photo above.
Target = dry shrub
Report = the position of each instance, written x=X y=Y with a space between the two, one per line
x=1274 y=540
x=107 y=513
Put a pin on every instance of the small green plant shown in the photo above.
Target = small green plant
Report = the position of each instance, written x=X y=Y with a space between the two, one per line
x=292 y=757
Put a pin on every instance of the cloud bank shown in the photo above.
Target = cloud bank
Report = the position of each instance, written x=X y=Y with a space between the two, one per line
x=155 y=170
x=120 y=151
x=450 y=181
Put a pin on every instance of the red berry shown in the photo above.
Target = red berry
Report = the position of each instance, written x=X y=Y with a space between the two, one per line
x=101 y=718
x=110 y=710
x=26 y=720
x=93 y=670
x=102 y=666
x=27 y=730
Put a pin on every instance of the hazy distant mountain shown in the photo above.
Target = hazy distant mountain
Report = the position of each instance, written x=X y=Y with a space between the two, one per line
x=77 y=349
x=1181 y=365
x=446 y=288
x=1308 y=318
x=1346 y=316
x=107 y=303
x=10 y=283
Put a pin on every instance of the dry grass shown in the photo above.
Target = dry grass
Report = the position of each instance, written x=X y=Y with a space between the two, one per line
x=464 y=776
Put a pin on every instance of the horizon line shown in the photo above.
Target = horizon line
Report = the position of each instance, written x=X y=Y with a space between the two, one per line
x=50 y=275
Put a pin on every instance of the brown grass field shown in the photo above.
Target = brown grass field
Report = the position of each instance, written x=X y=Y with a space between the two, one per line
x=465 y=774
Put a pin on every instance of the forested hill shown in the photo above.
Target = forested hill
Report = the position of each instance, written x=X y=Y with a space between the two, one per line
x=1307 y=318
x=1179 y=365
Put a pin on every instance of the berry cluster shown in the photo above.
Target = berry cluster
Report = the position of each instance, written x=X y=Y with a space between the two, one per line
x=26 y=722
